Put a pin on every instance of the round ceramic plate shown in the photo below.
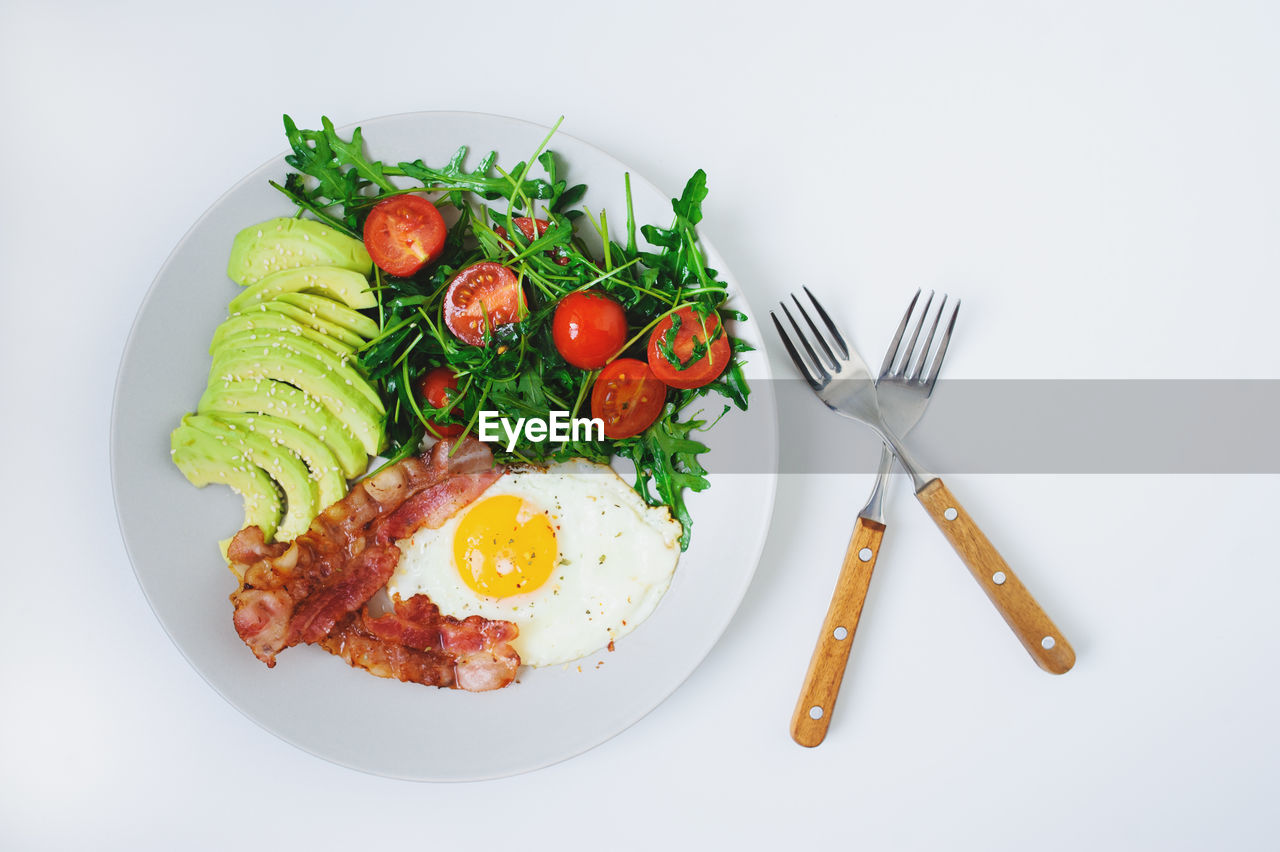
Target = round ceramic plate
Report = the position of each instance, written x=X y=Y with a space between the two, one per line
x=314 y=700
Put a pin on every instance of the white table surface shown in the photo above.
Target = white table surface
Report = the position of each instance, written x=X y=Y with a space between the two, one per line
x=1099 y=181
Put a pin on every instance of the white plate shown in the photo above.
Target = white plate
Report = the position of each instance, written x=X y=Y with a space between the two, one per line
x=314 y=700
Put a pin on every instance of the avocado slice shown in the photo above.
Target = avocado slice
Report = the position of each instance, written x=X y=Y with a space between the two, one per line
x=270 y=322
x=343 y=285
x=281 y=463
x=203 y=460
x=259 y=250
x=293 y=348
x=320 y=460
x=343 y=401
x=334 y=312
x=322 y=326
x=286 y=402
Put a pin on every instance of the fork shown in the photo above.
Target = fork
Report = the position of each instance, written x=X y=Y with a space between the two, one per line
x=821 y=687
x=844 y=385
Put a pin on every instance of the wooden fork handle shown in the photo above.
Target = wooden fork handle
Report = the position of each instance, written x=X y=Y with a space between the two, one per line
x=1037 y=633
x=826 y=667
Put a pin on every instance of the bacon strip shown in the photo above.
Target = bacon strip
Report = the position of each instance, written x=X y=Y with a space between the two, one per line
x=314 y=616
x=309 y=590
x=416 y=643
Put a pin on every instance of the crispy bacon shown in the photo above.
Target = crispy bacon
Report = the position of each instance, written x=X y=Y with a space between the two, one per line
x=315 y=615
x=415 y=643
x=302 y=591
x=249 y=547
x=470 y=472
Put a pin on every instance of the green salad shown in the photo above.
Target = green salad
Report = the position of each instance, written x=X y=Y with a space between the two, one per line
x=498 y=292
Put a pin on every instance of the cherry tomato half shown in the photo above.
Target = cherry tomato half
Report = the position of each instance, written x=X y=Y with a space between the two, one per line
x=705 y=368
x=432 y=388
x=404 y=234
x=627 y=397
x=588 y=328
x=483 y=291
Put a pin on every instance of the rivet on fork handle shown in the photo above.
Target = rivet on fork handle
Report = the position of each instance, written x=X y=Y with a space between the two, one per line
x=1034 y=629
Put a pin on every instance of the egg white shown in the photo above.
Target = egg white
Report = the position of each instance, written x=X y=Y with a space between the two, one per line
x=616 y=556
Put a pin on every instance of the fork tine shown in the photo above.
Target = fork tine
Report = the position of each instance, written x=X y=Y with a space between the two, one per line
x=915 y=335
x=918 y=371
x=942 y=349
x=795 y=355
x=822 y=341
x=897 y=338
x=831 y=326
x=822 y=374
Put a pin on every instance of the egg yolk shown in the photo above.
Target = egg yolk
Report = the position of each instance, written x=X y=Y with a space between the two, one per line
x=504 y=547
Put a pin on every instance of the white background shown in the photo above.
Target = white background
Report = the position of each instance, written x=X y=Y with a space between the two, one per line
x=1098 y=181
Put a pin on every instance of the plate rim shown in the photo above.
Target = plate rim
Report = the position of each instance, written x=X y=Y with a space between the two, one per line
x=771 y=470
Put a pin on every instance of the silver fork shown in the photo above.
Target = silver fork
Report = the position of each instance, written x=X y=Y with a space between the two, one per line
x=909 y=381
x=844 y=384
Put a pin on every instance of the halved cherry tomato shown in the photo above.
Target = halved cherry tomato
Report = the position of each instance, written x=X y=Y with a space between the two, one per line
x=588 y=328
x=706 y=368
x=432 y=388
x=404 y=234
x=482 y=297
x=627 y=397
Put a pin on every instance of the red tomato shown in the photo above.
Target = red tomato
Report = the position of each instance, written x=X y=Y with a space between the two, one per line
x=532 y=229
x=479 y=292
x=627 y=397
x=701 y=371
x=432 y=388
x=588 y=328
x=527 y=226
x=404 y=234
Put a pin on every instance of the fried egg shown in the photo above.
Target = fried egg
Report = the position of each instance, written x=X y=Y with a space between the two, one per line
x=570 y=554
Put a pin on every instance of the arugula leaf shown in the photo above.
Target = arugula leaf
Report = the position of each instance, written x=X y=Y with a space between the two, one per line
x=339 y=168
x=666 y=460
x=732 y=385
x=454 y=177
x=314 y=156
x=689 y=205
x=296 y=192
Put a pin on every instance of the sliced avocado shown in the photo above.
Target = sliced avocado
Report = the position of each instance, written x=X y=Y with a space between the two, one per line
x=322 y=326
x=343 y=401
x=293 y=348
x=276 y=244
x=343 y=285
x=203 y=460
x=270 y=322
x=224 y=548
x=282 y=464
x=288 y=403
x=334 y=312
x=323 y=464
